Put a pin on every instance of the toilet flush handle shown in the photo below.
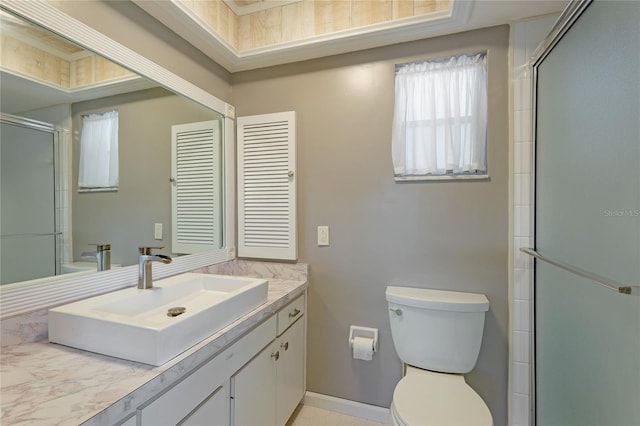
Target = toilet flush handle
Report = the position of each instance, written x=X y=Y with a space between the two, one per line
x=397 y=311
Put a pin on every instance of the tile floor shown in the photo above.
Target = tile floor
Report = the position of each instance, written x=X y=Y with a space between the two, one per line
x=312 y=416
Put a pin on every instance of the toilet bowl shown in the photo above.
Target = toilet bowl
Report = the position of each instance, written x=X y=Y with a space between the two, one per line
x=437 y=334
x=425 y=397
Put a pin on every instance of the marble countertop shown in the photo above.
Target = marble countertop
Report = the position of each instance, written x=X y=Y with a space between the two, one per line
x=48 y=384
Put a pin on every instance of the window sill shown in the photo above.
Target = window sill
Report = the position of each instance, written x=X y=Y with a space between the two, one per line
x=110 y=189
x=440 y=178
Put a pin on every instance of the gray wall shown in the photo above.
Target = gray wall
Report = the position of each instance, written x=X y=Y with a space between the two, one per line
x=129 y=25
x=447 y=235
x=126 y=218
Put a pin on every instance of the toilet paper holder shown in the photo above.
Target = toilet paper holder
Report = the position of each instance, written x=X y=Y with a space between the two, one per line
x=357 y=331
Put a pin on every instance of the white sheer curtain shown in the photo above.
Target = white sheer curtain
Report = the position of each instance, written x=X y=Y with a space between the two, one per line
x=99 y=152
x=440 y=117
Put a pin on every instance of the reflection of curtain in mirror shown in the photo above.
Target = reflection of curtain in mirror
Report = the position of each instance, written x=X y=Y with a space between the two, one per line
x=27 y=242
x=99 y=152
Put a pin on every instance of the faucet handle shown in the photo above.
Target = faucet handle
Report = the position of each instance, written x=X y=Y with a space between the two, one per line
x=147 y=250
x=101 y=247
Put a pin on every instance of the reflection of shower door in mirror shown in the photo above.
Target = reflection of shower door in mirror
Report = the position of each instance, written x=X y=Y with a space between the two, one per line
x=27 y=202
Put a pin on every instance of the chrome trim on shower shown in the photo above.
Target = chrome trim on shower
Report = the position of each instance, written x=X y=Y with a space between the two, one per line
x=569 y=15
x=613 y=285
x=27 y=122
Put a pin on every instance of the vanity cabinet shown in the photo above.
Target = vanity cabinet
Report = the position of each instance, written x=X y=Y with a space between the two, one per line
x=238 y=387
x=268 y=389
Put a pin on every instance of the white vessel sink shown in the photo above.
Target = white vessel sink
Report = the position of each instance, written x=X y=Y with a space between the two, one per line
x=134 y=324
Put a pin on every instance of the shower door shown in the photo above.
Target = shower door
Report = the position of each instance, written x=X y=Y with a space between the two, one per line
x=27 y=194
x=587 y=218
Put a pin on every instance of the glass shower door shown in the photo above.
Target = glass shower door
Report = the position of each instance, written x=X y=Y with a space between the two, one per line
x=587 y=357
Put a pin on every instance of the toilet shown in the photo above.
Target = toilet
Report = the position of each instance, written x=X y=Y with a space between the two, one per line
x=437 y=335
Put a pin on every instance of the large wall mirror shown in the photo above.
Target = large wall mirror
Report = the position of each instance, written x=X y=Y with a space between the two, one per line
x=49 y=85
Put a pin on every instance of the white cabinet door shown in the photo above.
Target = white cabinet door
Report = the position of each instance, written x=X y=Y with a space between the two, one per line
x=267 y=186
x=215 y=411
x=290 y=372
x=254 y=390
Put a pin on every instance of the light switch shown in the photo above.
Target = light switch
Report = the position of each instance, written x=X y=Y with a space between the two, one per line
x=158 y=231
x=323 y=235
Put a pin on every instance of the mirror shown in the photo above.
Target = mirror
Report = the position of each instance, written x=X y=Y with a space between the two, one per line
x=51 y=80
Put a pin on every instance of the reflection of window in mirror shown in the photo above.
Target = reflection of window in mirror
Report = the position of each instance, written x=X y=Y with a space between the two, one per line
x=99 y=152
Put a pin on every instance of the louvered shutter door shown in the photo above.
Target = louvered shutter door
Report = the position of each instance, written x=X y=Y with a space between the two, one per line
x=267 y=186
x=196 y=190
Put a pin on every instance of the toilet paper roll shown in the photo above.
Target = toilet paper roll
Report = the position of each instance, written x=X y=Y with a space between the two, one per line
x=363 y=348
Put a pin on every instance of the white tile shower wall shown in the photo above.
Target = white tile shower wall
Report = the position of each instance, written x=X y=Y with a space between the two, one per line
x=63 y=194
x=65 y=177
x=525 y=37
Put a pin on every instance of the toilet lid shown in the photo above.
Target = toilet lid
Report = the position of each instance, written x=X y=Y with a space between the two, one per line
x=429 y=398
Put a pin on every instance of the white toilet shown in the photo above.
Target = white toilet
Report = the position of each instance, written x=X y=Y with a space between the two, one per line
x=437 y=334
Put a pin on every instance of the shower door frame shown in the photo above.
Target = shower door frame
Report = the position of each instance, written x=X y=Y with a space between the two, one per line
x=569 y=16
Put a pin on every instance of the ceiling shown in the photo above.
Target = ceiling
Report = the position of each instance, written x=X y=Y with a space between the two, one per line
x=464 y=15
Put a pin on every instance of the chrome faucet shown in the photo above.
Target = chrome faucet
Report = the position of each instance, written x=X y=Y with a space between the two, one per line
x=144 y=265
x=102 y=255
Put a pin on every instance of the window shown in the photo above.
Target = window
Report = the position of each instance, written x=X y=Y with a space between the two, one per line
x=440 y=118
x=99 y=152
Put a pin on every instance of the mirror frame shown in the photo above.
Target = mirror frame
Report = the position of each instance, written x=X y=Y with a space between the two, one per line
x=20 y=298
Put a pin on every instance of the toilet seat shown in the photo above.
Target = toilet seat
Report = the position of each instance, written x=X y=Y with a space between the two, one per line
x=424 y=398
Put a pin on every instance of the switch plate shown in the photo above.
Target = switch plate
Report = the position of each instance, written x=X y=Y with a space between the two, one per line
x=323 y=235
x=157 y=231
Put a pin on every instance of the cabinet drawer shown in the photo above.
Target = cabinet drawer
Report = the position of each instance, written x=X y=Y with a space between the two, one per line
x=175 y=404
x=290 y=313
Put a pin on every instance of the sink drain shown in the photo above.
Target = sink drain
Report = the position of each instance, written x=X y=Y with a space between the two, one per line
x=174 y=312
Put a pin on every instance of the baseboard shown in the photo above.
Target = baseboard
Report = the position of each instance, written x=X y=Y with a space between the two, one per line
x=347 y=407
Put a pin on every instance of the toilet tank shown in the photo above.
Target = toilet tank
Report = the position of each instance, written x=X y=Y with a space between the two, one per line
x=435 y=329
